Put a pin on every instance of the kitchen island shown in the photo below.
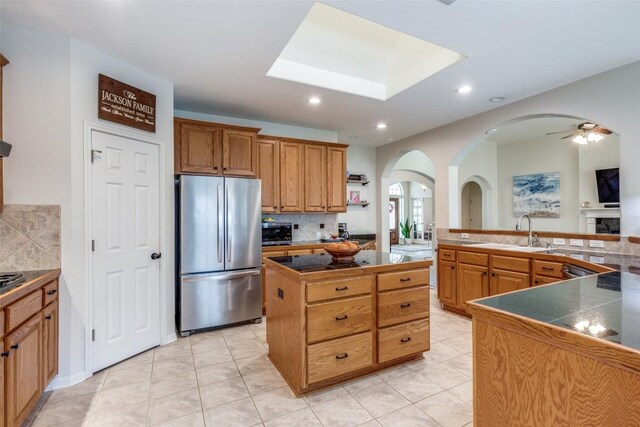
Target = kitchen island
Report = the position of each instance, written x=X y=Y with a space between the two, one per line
x=330 y=321
x=560 y=354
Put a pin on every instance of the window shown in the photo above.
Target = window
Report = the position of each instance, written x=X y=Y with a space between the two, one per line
x=395 y=190
x=417 y=213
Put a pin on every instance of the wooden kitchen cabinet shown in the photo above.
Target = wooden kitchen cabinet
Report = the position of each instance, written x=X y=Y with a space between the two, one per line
x=503 y=281
x=447 y=283
x=199 y=149
x=239 y=153
x=23 y=370
x=473 y=283
x=315 y=178
x=214 y=149
x=337 y=179
x=50 y=342
x=269 y=173
x=291 y=176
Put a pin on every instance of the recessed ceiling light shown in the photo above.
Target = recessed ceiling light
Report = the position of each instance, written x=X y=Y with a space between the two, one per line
x=314 y=100
x=496 y=99
x=464 y=89
x=491 y=131
x=381 y=125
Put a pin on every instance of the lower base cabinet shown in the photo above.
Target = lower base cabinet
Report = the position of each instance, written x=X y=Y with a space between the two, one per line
x=507 y=281
x=50 y=342
x=24 y=370
x=340 y=356
x=402 y=340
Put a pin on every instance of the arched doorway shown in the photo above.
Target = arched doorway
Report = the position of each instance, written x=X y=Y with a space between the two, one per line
x=396 y=211
x=471 y=206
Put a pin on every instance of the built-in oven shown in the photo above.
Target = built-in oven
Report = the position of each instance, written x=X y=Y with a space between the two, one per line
x=276 y=233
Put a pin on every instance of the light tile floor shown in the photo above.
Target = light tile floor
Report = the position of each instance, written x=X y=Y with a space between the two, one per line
x=224 y=378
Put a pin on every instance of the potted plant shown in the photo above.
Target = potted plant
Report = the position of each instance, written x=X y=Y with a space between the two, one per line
x=405 y=229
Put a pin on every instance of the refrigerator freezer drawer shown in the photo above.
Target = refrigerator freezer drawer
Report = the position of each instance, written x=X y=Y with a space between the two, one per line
x=217 y=299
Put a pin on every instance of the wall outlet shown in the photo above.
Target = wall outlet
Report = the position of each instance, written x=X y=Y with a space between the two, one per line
x=596 y=243
x=321 y=226
x=295 y=226
x=464 y=235
x=576 y=242
x=596 y=259
x=559 y=241
x=577 y=256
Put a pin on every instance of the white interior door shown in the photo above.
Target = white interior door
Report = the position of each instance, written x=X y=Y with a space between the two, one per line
x=125 y=206
x=475 y=211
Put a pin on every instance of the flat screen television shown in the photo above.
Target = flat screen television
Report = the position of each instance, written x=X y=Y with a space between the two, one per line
x=608 y=183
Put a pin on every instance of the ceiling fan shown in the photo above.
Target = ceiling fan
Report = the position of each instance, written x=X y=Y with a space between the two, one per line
x=584 y=133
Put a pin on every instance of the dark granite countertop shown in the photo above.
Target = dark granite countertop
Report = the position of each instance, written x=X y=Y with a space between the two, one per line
x=605 y=306
x=324 y=262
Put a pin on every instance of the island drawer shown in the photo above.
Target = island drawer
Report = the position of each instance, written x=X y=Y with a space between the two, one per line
x=447 y=254
x=320 y=291
x=520 y=265
x=23 y=309
x=402 y=279
x=338 y=318
x=274 y=253
x=402 y=340
x=300 y=252
x=473 y=258
x=50 y=292
x=546 y=268
x=403 y=306
x=337 y=357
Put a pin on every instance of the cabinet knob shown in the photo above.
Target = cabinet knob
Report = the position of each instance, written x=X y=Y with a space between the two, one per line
x=52 y=292
x=344 y=288
x=484 y=273
x=405 y=279
x=405 y=305
x=493 y=274
x=345 y=317
x=342 y=356
x=224 y=169
x=15 y=346
x=4 y=354
x=407 y=339
x=536 y=282
x=47 y=317
x=453 y=268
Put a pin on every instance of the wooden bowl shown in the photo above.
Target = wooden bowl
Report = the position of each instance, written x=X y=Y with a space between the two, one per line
x=343 y=254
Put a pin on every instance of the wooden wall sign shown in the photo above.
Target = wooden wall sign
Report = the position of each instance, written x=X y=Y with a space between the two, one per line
x=126 y=105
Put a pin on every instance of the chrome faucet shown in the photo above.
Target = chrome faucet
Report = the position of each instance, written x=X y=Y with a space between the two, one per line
x=519 y=227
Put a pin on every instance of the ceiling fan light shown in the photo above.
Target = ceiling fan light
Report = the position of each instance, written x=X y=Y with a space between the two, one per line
x=580 y=139
x=594 y=137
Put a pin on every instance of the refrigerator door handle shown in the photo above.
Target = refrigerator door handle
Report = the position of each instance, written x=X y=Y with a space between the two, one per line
x=220 y=276
x=220 y=219
x=229 y=216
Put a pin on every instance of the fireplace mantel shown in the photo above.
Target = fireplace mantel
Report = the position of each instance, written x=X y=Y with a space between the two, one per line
x=592 y=213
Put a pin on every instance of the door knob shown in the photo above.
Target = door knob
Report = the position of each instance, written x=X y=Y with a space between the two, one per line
x=155 y=256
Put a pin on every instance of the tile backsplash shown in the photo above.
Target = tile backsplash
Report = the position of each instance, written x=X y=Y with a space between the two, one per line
x=29 y=237
x=614 y=247
x=308 y=225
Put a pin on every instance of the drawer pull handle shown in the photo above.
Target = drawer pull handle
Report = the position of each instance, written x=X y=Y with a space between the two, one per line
x=47 y=317
x=407 y=339
x=344 y=288
x=406 y=279
x=4 y=354
x=15 y=346
x=342 y=356
x=547 y=268
x=405 y=305
x=345 y=317
x=51 y=292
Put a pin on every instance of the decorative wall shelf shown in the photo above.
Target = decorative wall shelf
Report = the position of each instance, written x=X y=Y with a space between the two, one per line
x=363 y=204
x=357 y=181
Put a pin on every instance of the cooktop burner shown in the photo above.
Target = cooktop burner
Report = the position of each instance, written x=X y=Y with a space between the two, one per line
x=10 y=279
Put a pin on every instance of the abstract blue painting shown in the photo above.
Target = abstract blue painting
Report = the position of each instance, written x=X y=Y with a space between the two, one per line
x=537 y=195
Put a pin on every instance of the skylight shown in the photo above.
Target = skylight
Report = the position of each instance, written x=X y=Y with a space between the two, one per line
x=336 y=50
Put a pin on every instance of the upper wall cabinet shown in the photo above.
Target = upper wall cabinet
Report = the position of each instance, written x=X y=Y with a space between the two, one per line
x=302 y=176
x=214 y=149
x=269 y=173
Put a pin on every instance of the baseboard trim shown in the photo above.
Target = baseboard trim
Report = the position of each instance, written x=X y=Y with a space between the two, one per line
x=169 y=339
x=62 y=382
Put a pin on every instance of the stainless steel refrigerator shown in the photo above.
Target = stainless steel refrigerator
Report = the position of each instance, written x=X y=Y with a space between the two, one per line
x=219 y=252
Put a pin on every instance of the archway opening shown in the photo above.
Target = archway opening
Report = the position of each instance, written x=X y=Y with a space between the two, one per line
x=471 y=206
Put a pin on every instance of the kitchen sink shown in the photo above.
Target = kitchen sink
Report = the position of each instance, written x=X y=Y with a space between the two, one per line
x=506 y=247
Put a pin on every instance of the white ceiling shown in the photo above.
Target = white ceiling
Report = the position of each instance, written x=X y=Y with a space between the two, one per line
x=217 y=53
x=534 y=128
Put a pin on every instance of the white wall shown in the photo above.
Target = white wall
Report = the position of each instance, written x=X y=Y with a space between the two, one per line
x=267 y=128
x=481 y=166
x=609 y=99
x=603 y=155
x=50 y=94
x=361 y=220
x=540 y=155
